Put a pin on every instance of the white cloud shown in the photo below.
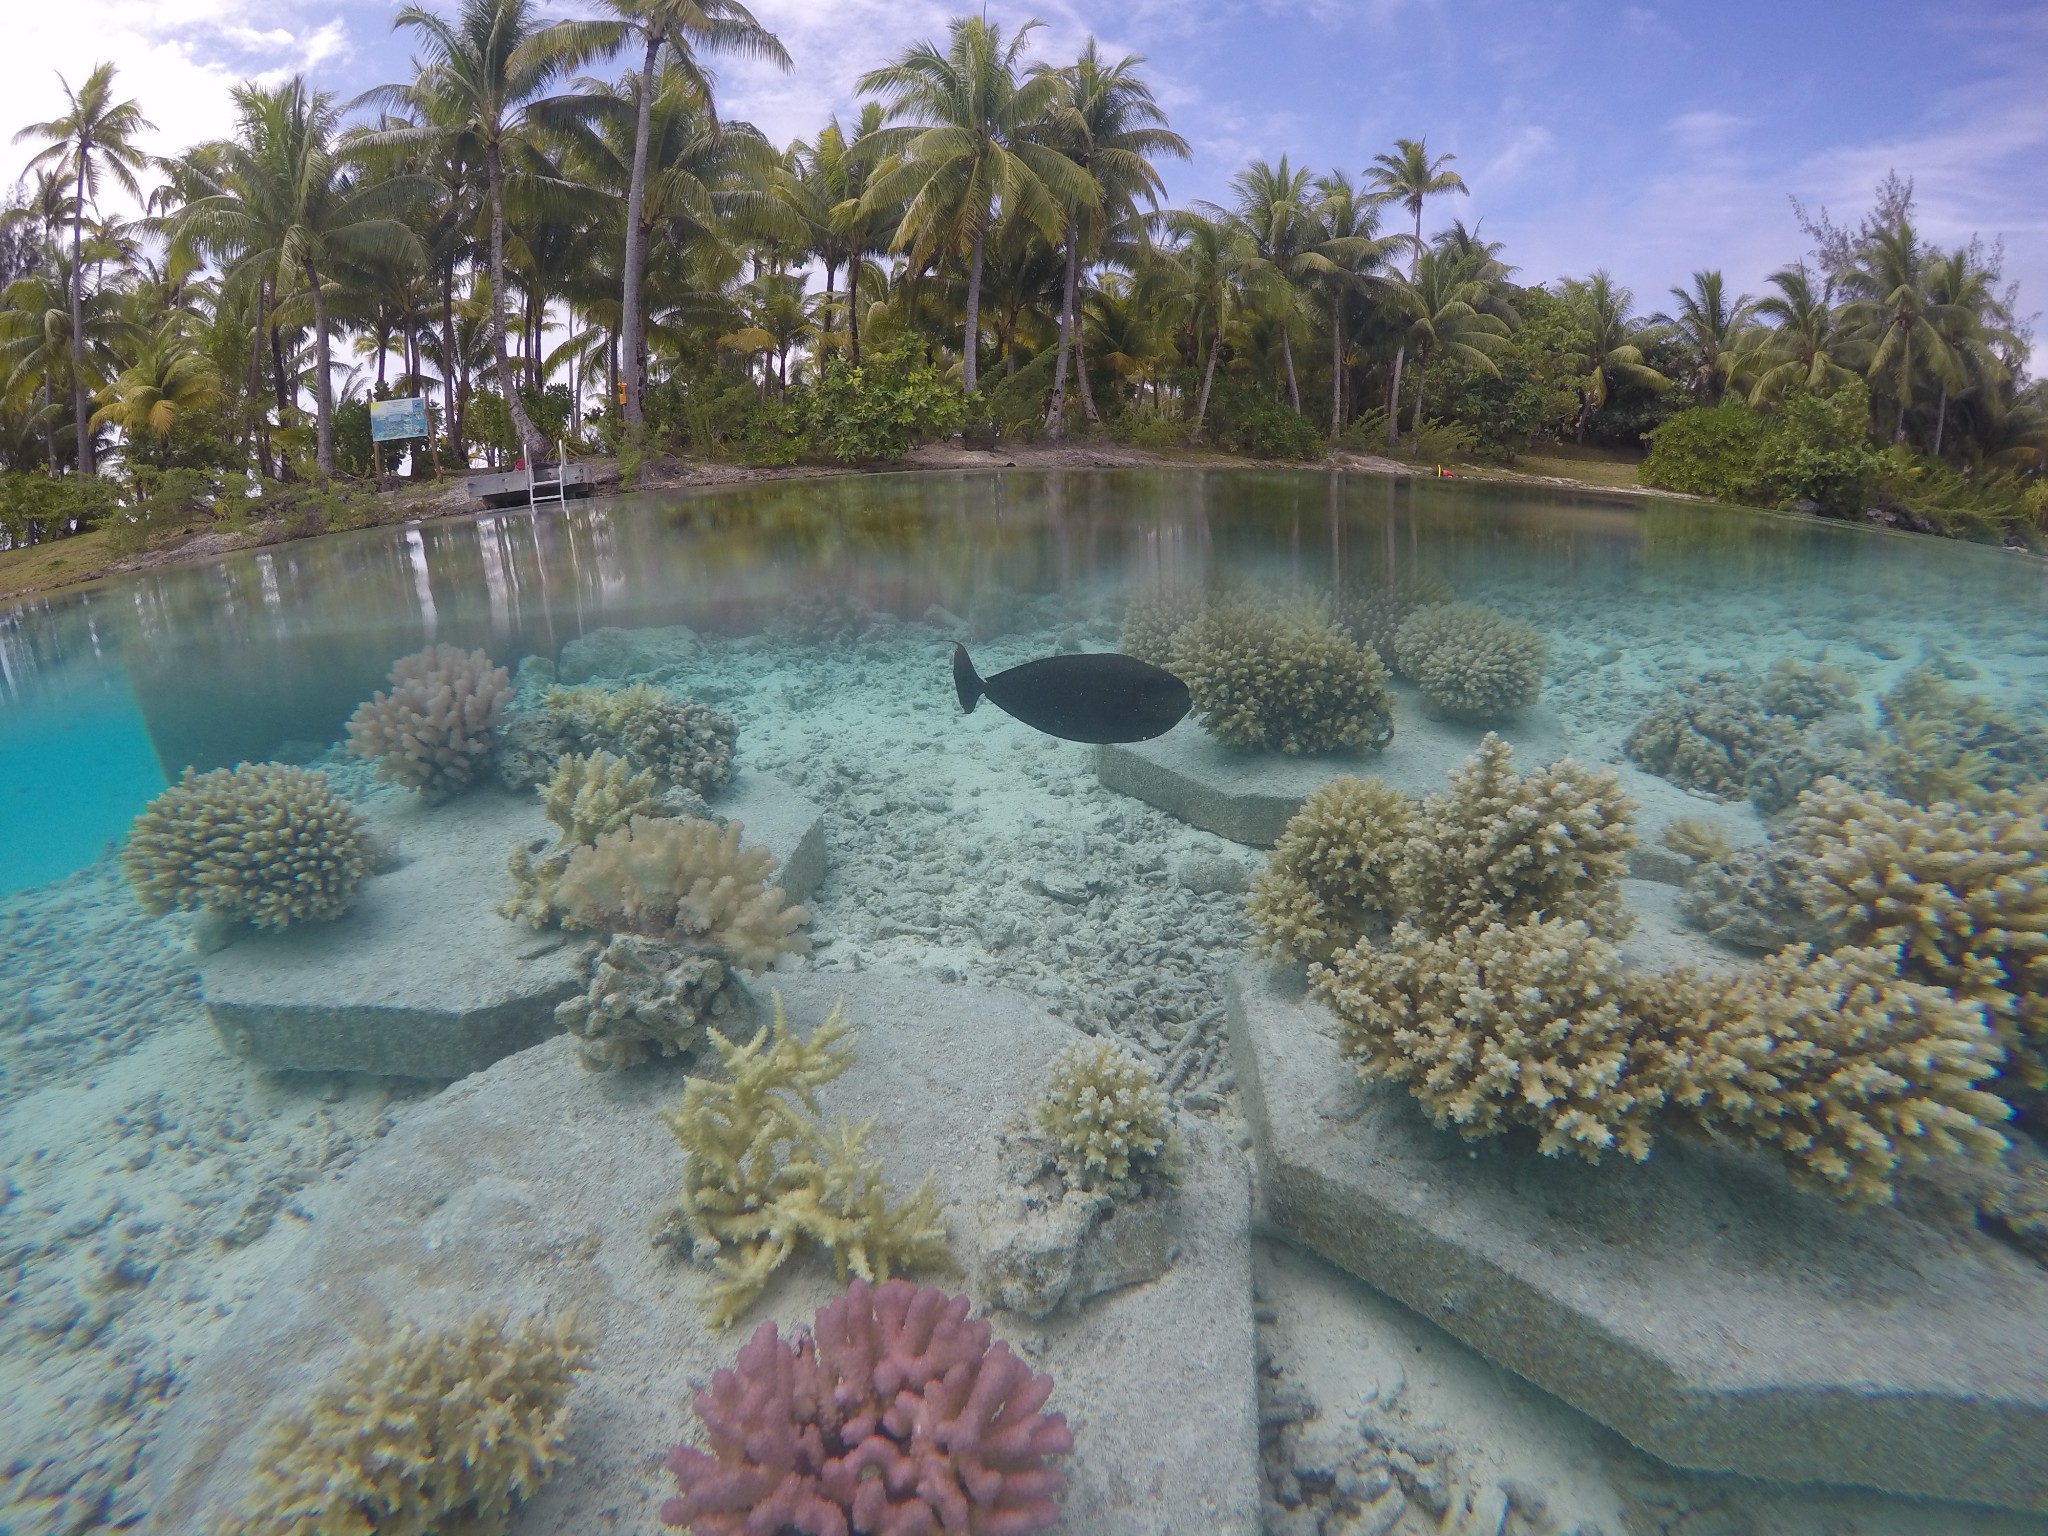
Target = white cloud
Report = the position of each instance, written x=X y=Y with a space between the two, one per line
x=1704 y=130
x=1525 y=147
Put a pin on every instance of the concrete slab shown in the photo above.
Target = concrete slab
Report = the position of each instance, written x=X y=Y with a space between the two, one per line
x=1249 y=796
x=1697 y=1304
x=421 y=978
x=531 y=1185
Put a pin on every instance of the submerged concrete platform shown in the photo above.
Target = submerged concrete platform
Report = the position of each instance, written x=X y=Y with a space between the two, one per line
x=422 y=978
x=1249 y=796
x=531 y=1185
x=1696 y=1303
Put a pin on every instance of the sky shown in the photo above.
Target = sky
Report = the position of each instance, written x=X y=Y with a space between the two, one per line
x=1650 y=137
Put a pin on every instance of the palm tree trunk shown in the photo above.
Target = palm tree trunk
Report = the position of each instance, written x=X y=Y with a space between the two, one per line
x=973 y=341
x=1336 y=365
x=636 y=239
x=1056 y=409
x=448 y=396
x=1421 y=382
x=853 y=308
x=1208 y=377
x=522 y=425
x=249 y=412
x=1941 y=422
x=323 y=381
x=1081 y=371
x=1287 y=356
x=78 y=323
x=1394 y=397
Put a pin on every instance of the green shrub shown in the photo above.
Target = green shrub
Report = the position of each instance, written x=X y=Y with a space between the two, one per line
x=160 y=503
x=1709 y=451
x=1264 y=430
x=880 y=409
x=35 y=508
x=1143 y=427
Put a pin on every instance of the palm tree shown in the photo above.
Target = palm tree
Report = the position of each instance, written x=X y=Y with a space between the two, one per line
x=963 y=151
x=1804 y=347
x=1107 y=122
x=1440 y=306
x=1352 y=241
x=93 y=137
x=169 y=378
x=1977 y=327
x=1284 y=243
x=686 y=28
x=822 y=183
x=1891 y=311
x=1709 y=326
x=1408 y=176
x=1199 y=277
x=285 y=207
x=1610 y=342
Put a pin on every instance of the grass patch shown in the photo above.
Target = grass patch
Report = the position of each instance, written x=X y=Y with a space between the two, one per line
x=59 y=563
x=1615 y=467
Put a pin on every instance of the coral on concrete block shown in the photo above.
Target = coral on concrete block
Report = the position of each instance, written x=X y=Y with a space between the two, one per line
x=433 y=732
x=589 y=796
x=680 y=741
x=1833 y=1063
x=1500 y=1025
x=1370 y=608
x=1155 y=615
x=260 y=843
x=688 y=883
x=1497 y=848
x=1108 y=1119
x=892 y=1416
x=1959 y=892
x=1289 y=681
x=423 y=1433
x=1333 y=870
x=1471 y=663
x=646 y=999
x=762 y=1177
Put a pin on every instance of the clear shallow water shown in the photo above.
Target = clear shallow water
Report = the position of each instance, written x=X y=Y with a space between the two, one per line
x=106 y=695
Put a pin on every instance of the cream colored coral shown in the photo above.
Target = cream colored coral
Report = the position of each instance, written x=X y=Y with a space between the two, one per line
x=1835 y=1064
x=680 y=741
x=645 y=999
x=1500 y=848
x=261 y=842
x=1960 y=892
x=589 y=796
x=1155 y=615
x=1499 y=1025
x=1285 y=680
x=433 y=731
x=421 y=1434
x=1107 y=1117
x=1697 y=838
x=686 y=882
x=1333 y=869
x=1371 y=607
x=1471 y=663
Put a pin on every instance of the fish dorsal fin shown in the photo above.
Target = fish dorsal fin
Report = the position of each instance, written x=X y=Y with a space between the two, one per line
x=966 y=681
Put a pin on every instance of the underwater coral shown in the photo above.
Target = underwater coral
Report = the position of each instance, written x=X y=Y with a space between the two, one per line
x=645 y=999
x=1108 y=1119
x=680 y=741
x=261 y=843
x=762 y=1177
x=1155 y=615
x=1286 y=680
x=1707 y=734
x=589 y=796
x=1333 y=870
x=1945 y=744
x=1471 y=663
x=892 y=1414
x=1370 y=607
x=434 y=731
x=423 y=1433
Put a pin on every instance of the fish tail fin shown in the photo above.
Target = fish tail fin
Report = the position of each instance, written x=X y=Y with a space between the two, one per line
x=966 y=681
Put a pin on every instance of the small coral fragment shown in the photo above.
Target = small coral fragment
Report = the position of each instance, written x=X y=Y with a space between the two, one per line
x=892 y=1415
x=1107 y=1117
x=1333 y=870
x=434 y=731
x=589 y=796
x=1471 y=663
x=1287 y=681
x=422 y=1433
x=645 y=999
x=260 y=843
x=683 y=743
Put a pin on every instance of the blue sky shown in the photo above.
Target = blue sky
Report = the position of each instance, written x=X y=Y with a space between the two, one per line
x=1650 y=138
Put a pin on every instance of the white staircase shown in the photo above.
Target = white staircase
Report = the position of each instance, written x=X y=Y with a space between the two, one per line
x=539 y=489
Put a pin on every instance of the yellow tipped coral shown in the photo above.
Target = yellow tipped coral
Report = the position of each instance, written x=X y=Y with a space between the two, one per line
x=1291 y=682
x=589 y=796
x=1470 y=662
x=1334 y=868
x=261 y=842
x=423 y=1433
x=680 y=741
x=1107 y=1117
x=434 y=730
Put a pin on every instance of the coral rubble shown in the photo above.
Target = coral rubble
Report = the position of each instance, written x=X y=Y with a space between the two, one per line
x=1288 y=681
x=682 y=742
x=762 y=1177
x=1333 y=870
x=892 y=1414
x=1108 y=1119
x=1470 y=662
x=434 y=731
x=645 y=999
x=261 y=843
x=423 y=1432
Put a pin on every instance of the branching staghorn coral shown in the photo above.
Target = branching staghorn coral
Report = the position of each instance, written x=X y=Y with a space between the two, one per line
x=1754 y=896
x=1499 y=1025
x=1697 y=838
x=260 y=842
x=1497 y=848
x=762 y=1177
x=433 y=732
x=1471 y=663
x=1946 y=745
x=892 y=1416
x=1960 y=893
x=1831 y=1062
x=687 y=883
x=422 y=1434
x=1333 y=871
x=645 y=999
x=1107 y=1117
x=680 y=741
x=1370 y=608
x=1289 y=681
x=589 y=796
x=1155 y=615
x=1705 y=735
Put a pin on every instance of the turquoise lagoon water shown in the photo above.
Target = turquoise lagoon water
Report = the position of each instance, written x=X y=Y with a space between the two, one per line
x=156 y=1188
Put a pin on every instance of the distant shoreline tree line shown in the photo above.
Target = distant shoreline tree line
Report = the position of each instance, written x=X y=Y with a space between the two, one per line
x=550 y=256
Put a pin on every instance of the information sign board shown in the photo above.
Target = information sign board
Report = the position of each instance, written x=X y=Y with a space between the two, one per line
x=396 y=420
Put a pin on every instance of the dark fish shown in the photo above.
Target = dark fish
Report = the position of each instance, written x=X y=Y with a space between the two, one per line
x=1096 y=697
